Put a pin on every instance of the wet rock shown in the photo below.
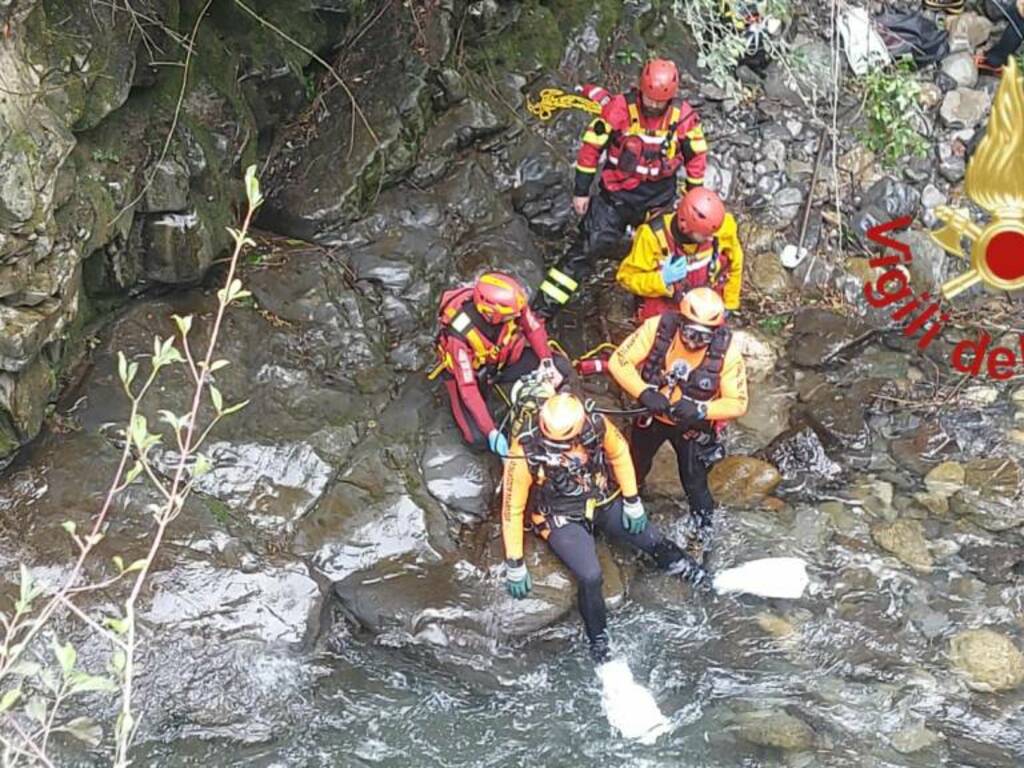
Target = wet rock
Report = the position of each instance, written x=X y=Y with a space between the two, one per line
x=168 y=189
x=994 y=562
x=274 y=485
x=177 y=247
x=461 y=602
x=785 y=207
x=964 y=108
x=775 y=729
x=923 y=447
x=810 y=82
x=818 y=333
x=274 y=605
x=928 y=263
x=990 y=660
x=932 y=197
x=775 y=625
x=914 y=738
x=24 y=398
x=352 y=530
x=862 y=165
x=742 y=480
x=759 y=356
x=946 y=478
x=952 y=161
x=841 y=409
x=459 y=477
x=997 y=477
x=905 y=539
x=719 y=179
x=961 y=67
x=887 y=199
x=800 y=457
x=968 y=31
x=981 y=394
x=876 y=496
x=351 y=163
x=454 y=86
x=992 y=514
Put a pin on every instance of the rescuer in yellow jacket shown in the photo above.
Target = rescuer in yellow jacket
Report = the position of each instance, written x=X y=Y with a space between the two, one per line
x=689 y=374
x=696 y=245
x=578 y=466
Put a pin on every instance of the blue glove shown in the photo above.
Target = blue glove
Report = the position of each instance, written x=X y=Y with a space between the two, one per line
x=674 y=270
x=517 y=579
x=498 y=443
x=634 y=518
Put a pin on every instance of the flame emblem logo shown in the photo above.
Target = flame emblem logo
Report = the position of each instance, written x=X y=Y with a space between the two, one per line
x=995 y=183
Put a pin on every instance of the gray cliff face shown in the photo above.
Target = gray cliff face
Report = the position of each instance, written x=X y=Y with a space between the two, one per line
x=92 y=209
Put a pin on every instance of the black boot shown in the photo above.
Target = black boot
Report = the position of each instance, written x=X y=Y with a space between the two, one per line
x=690 y=570
x=699 y=531
x=599 y=651
x=671 y=559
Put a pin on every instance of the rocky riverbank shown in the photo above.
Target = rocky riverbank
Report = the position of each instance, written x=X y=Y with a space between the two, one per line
x=344 y=515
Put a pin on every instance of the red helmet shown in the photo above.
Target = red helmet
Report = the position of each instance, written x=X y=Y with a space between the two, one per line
x=660 y=80
x=498 y=297
x=700 y=212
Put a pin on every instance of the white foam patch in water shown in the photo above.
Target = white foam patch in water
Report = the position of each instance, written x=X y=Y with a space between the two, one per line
x=629 y=707
x=784 y=577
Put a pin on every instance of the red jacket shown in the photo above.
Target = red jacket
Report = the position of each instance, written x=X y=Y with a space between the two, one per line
x=658 y=153
x=468 y=343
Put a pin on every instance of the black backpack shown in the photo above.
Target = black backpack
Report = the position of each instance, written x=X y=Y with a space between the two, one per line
x=913 y=34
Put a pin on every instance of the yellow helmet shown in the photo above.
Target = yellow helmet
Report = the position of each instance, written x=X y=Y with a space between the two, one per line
x=704 y=307
x=562 y=417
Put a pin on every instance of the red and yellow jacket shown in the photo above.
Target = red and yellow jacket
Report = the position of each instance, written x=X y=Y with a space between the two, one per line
x=518 y=480
x=628 y=360
x=670 y=140
x=468 y=343
x=719 y=262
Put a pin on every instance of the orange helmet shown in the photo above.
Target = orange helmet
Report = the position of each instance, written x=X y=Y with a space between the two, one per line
x=562 y=417
x=700 y=212
x=703 y=306
x=498 y=297
x=660 y=80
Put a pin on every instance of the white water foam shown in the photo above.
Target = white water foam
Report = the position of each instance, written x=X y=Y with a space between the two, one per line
x=784 y=577
x=629 y=707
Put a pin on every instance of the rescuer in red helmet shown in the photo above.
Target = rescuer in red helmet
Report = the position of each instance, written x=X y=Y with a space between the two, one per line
x=695 y=245
x=645 y=137
x=488 y=335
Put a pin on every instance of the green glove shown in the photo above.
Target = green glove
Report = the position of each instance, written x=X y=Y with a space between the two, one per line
x=517 y=579
x=634 y=518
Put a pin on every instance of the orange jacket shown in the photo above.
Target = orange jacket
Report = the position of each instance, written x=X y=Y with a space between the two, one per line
x=518 y=480
x=627 y=362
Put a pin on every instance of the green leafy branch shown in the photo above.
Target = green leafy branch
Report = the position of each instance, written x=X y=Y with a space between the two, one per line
x=35 y=685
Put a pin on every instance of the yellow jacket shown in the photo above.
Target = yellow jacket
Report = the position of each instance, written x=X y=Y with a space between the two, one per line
x=640 y=271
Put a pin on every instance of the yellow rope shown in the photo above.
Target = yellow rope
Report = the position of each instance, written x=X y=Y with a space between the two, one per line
x=552 y=100
x=598 y=350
